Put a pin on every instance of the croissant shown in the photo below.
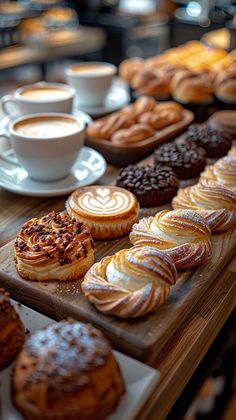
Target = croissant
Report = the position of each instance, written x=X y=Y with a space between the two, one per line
x=213 y=201
x=104 y=129
x=223 y=172
x=143 y=104
x=225 y=85
x=129 y=67
x=131 y=283
x=132 y=135
x=187 y=86
x=183 y=234
x=54 y=247
x=160 y=119
x=149 y=82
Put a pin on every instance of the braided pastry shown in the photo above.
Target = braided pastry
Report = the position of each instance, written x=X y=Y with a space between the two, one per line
x=160 y=119
x=149 y=82
x=131 y=283
x=132 y=135
x=213 y=201
x=104 y=129
x=183 y=234
x=54 y=247
x=187 y=86
x=223 y=172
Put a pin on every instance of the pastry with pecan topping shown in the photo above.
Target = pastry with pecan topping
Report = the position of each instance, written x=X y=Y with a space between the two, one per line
x=54 y=247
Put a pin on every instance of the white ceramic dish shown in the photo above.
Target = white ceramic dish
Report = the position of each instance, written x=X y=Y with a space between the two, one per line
x=140 y=379
x=117 y=98
x=88 y=168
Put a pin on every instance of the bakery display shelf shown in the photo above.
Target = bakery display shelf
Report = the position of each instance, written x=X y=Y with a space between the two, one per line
x=140 y=380
x=132 y=153
x=142 y=338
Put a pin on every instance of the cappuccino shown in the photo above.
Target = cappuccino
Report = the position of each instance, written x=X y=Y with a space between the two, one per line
x=92 y=69
x=45 y=93
x=46 y=127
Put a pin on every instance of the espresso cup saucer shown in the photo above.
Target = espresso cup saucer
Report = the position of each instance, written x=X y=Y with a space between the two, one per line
x=117 y=98
x=88 y=168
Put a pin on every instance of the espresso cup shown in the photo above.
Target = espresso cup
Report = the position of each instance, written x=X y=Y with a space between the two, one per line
x=47 y=145
x=40 y=97
x=91 y=81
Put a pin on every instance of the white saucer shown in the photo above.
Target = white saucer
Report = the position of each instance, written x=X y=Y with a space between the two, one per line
x=117 y=98
x=88 y=168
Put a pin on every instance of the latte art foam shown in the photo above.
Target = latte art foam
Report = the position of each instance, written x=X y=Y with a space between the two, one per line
x=47 y=93
x=46 y=127
x=104 y=201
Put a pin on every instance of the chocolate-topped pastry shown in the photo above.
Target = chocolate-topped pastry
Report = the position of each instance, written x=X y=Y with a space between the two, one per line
x=12 y=331
x=186 y=158
x=67 y=371
x=153 y=186
x=216 y=142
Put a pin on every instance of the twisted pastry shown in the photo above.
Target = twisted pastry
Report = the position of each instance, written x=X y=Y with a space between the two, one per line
x=132 y=135
x=213 y=201
x=150 y=82
x=223 y=172
x=183 y=234
x=104 y=129
x=131 y=283
x=160 y=119
x=54 y=247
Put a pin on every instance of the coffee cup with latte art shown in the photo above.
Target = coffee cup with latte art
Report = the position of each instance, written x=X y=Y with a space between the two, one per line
x=39 y=97
x=91 y=81
x=47 y=145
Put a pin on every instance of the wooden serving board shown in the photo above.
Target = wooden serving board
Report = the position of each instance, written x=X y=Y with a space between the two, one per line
x=142 y=338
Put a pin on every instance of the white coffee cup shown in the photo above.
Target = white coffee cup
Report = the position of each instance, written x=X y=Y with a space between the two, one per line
x=40 y=97
x=91 y=81
x=47 y=145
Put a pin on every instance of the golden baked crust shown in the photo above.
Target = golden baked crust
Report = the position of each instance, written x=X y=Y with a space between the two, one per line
x=161 y=118
x=150 y=82
x=108 y=211
x=104 y=129
x=223 y=172
x=225 y=85
x=12 y=331
x=67 y=371
x=129 y=67
x=183 y=234
x=187 y=86
x=131 y=283
x=54 y=247
x=133 y=135
x=213 y=201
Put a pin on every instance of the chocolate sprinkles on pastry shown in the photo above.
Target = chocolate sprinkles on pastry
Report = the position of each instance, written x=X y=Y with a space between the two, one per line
x=153 y=186
x=216 y=142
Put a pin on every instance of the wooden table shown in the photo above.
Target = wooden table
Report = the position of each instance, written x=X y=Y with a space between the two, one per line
x=186 y=348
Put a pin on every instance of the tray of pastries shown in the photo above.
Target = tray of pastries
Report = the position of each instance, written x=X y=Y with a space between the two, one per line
x=129 y=135
x=120 y=257
x=65 y=369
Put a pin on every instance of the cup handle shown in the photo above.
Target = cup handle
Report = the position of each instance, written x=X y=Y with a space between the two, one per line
x=8 y=155
x=6 y=100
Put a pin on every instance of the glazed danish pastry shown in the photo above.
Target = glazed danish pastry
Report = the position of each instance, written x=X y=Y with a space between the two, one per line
x=67 y=371
x=223 y=172
x=12 y=331
x=108 y=211
x=131 y=283
x=54 y=247
x=183 y=234
x=213 y=201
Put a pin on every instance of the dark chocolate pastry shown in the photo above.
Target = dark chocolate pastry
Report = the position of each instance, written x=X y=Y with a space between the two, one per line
x=216 y=142
x=153 y=186
x=184 y=157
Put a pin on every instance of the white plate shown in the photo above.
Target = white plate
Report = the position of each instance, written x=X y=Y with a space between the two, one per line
x=140 y=379
x=88 y=168
x=117 y=98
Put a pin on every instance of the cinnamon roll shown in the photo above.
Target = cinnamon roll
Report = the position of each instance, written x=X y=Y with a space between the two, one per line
x=67 y=371
x=131 y=283
x=223 y=172
x=12 y=331
x=108 y=211
x=183 y=234
x=54 y=247
x=213 y=201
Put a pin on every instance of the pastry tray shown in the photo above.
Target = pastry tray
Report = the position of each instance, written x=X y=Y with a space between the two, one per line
x=124 y=155
x=140 y=379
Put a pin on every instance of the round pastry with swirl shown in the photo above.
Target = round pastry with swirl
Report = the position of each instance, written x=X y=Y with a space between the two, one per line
x=54 y=247
x=12 y=331
x=183 y=234
x=213 y=201
x=131 y=283
x=108 y=211
x=67 y=371
x=223 y=172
